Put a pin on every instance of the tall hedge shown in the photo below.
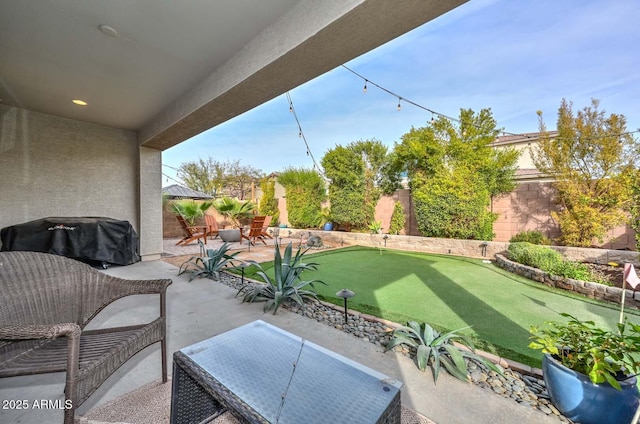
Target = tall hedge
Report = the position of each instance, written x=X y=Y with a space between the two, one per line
x=454 y=172
x=268 y=202
x=398 y=220
x=453 y=205
x=305 y=192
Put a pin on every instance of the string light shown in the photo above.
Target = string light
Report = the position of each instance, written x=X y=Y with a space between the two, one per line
x=301 y=135
x=442 y=115
x=171 y=178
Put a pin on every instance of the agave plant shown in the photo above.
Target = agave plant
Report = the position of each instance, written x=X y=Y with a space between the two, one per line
x=209 y=263
x=434 y=349
x=286 y=283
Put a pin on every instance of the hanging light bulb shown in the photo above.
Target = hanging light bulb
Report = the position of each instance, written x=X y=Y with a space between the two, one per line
x=307 y=152
x=399 y=106
x=291 y=108
x=432 y=118
x=364 y=90
x=300 y=134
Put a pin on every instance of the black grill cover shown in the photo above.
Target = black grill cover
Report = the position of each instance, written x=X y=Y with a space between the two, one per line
x=87 y=239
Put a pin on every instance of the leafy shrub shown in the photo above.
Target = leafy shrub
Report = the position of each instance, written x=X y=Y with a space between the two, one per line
x=305 y=190
x=541 y=257
x=590 y=350
x=532 y=236
x=268 y=202
x=574 y=270
x=398 y=220
x=548 y=260
x=453 y=205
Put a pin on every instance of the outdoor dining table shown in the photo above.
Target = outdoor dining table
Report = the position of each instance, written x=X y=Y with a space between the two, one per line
x=263 y=374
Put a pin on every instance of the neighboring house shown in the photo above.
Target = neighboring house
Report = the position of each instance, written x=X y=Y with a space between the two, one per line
x=176 y=191
x=140 y=89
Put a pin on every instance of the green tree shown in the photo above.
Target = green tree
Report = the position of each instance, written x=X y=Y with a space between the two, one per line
x=305 y=192
x=215 y=178
x=634 y=207
x=355 y=173
x=453 y=173
x=591 y=159
x=398 y=220
x=268 y=202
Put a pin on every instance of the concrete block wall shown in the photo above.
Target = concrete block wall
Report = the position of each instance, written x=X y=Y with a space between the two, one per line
x=526 y=208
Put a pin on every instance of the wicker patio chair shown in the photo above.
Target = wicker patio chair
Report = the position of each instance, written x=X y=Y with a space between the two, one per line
x=45 y=303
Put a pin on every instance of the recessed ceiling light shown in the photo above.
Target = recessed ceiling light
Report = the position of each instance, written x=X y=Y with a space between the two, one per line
x=107 y=30
x=79 y=102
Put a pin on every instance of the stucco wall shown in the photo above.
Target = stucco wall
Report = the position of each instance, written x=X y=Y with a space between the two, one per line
x=51 y=166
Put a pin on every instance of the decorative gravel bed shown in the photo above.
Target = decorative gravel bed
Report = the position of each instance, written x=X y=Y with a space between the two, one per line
x=527 y=390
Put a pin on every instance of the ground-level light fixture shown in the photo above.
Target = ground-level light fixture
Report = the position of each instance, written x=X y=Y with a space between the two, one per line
x=242 y=268
x=345 y=294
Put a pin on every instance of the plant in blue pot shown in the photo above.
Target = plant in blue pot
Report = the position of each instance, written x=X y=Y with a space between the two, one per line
x=590 y=372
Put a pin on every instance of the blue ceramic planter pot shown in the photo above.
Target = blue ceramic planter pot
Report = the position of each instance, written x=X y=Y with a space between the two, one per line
x=328 y=226
x=580 y=400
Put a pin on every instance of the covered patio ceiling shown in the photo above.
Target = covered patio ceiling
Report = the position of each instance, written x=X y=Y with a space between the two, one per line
x=169 y=70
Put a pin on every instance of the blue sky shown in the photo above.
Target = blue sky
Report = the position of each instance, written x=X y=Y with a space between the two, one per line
x=513 y=56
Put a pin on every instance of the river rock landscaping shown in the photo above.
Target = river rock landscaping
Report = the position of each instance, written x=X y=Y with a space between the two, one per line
x=527 y=390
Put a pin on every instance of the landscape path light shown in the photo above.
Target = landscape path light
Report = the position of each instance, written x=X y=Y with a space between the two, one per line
x=242 y=268
x=345 y=294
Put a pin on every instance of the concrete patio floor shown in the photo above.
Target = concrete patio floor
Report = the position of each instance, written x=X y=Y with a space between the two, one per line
x=205 y=308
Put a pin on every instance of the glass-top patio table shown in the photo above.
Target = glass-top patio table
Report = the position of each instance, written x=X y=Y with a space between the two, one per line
x=263 y=374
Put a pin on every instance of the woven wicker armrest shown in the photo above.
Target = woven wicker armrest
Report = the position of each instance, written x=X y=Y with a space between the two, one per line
x=25 y=332
x=121 y=287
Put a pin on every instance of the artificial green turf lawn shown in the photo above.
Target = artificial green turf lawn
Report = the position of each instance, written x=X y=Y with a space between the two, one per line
x=451 y=292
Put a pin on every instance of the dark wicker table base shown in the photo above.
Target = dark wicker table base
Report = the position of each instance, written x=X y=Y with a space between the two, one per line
x=199 y=397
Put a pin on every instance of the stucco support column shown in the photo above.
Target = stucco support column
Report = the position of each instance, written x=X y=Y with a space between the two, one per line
x=150 y=205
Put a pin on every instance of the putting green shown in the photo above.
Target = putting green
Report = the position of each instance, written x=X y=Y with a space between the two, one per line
x=452 y=292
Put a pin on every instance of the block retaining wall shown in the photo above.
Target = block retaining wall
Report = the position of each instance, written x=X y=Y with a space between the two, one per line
x=468 y=248
x=586 y=288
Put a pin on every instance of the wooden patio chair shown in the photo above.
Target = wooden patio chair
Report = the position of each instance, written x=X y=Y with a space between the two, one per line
x=212 y=226
x=191 y=233
x=255 y=230
x=46 y=303
x=265 y=226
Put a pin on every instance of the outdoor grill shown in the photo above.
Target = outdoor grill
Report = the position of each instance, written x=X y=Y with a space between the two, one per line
x=94 y=240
